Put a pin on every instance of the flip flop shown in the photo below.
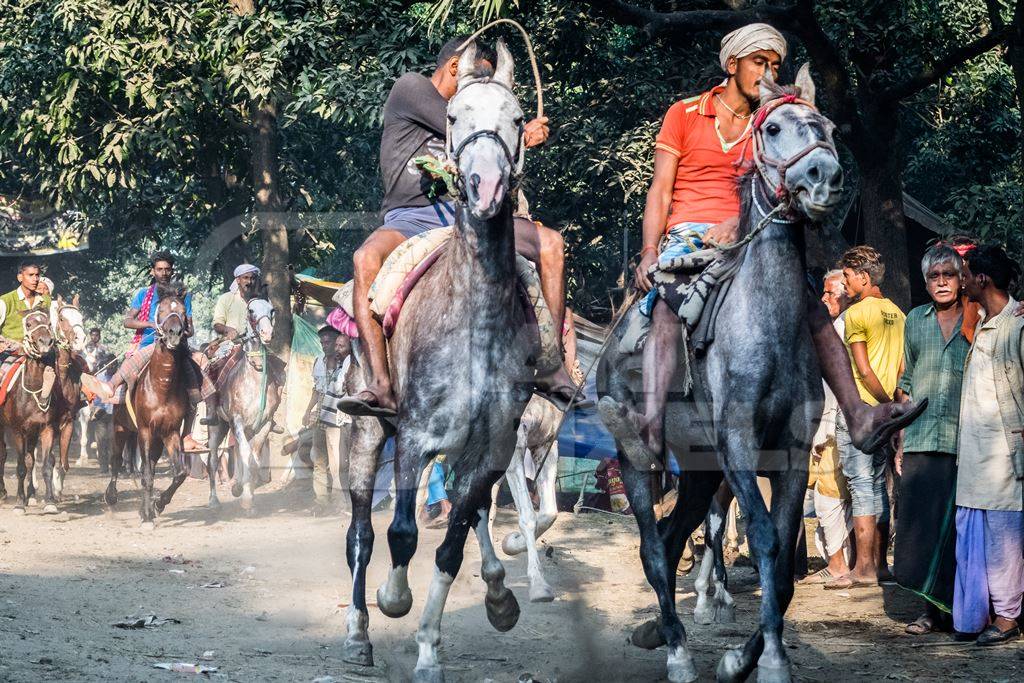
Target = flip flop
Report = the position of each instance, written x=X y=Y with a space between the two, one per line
x=923 y=625
x=881 y=436
x=838 y=583
x=353 y=405
x=855 y=583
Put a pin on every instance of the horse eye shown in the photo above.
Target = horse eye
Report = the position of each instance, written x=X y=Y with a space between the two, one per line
x=451 y=119
x=518 y=121
x=773 y=129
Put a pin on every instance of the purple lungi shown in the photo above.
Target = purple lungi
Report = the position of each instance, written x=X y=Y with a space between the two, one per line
x=989 y=567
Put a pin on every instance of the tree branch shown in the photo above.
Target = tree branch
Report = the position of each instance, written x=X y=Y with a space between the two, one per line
x=661 y=23
x=933 y=73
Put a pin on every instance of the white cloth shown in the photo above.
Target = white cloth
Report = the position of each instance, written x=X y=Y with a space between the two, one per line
x=985 y=478
x=333 y=388
x=834 y=524
x=827 y=426
x=749 y=39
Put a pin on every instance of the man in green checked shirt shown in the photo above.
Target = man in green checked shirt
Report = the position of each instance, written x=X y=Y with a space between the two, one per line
x=935 y=351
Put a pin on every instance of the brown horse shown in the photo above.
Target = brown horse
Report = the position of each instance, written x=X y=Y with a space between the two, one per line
x=30 y=417
x=250 y=391
x=69 y=334
x=159 y=399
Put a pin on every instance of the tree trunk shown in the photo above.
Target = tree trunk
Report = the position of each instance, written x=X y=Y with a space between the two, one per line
x=881 y=215
x=270 y=220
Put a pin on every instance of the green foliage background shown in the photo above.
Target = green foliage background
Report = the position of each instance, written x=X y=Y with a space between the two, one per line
x=134 y=112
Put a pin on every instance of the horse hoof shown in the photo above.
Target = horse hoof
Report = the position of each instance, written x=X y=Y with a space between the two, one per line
x=32 y=502
x=428 y=674
x=396 y=609
x=513 y=544
x=111 y=498
x=236 y=489
x=541 y=592
x=503 y=611
x=773 y=674
x=681 y=668
x=159 y=507
x=214 y=504
x=147 y=526
x=19 y=510
x=725 y=614
x=730 y=667
x=359 y=652
x=50 y=509
x=703 y=614
x=648 y=635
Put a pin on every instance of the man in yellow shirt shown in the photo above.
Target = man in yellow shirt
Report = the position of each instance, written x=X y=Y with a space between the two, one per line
x=874 y=338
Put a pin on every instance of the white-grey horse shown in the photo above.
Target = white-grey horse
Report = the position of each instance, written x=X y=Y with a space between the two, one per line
x=460 y=370
x=758 y=389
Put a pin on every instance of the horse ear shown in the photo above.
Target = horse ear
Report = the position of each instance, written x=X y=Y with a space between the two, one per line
x=767 y=89
x=504 y=67
x=60 y=300
x=805 y=83
x=467 y=64
x=74 y=301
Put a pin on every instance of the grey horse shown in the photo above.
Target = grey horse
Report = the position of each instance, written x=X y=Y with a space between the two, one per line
x=460 y=366
x=758 y=391
x=250 y=392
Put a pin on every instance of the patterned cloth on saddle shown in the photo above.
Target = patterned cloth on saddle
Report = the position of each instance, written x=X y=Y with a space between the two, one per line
x=403 y=269
x=693 y=284
x=10 y=368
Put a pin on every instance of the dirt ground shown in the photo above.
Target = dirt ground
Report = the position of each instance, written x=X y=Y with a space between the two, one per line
x=64 y=579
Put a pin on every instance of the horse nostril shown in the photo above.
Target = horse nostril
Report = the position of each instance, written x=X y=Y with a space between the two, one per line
x=837 y=177
x=813 y=173
x=474 y=182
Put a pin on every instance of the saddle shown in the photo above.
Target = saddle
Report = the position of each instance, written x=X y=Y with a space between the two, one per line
x=218 y=369
x=404 y=268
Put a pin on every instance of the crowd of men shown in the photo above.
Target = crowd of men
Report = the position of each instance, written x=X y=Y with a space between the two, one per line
x=957 y=471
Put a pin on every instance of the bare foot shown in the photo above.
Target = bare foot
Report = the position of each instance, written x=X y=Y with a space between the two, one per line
x=374 y=401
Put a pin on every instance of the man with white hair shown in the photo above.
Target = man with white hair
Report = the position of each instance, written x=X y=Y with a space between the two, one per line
x=700 y=153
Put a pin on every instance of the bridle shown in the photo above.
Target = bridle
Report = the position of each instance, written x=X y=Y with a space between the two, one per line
x=62 y=340
x=253 y=334
x=26 y=342
x=762 y=161
x=160 y=333
x=515 y=159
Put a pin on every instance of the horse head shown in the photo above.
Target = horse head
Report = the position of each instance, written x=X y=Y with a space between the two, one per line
x=485 y=133
x=261 y=319
x=69 y=327
x=793 y=148
x=171 y=314
x=38 y=339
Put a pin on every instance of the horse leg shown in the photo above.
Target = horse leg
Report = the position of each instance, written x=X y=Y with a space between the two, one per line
x=501 y=604
x=67 y=432
x=394 y=598
x=21 y=447
x=469 y=509
x=764 y=649
x=3 y=462
x=243 y=465
x=367 y=442
x=149 y=449
x=216 y=435
x=172 y=444
x=116 y=460
x=722 y=609
x=732 y=532
x=46 y=448
x=540 y=591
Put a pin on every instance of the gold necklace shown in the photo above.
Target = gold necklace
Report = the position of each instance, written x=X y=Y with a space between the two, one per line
x=731 y=110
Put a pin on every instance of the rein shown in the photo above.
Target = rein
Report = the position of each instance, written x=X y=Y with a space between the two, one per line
x=26 y=342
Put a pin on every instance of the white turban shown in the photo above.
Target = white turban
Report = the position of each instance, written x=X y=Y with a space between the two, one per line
x=241 y=270
x=749 y=39
x=49 y=284
x=245 y=269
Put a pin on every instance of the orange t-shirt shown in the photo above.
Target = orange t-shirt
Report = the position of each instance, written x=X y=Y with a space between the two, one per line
x=705 y=187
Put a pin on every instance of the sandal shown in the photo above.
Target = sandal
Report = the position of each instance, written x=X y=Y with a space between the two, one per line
x=821 y=576
x=838 y=583
x=923 y=625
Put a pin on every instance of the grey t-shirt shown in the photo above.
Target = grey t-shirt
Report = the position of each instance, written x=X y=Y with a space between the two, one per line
x=414 y=125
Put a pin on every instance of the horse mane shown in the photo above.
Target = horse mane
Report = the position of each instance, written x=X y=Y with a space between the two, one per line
x=173 y=289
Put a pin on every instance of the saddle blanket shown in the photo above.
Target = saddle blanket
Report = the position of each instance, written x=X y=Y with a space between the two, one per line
x=10 y=368
x=407 y=264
